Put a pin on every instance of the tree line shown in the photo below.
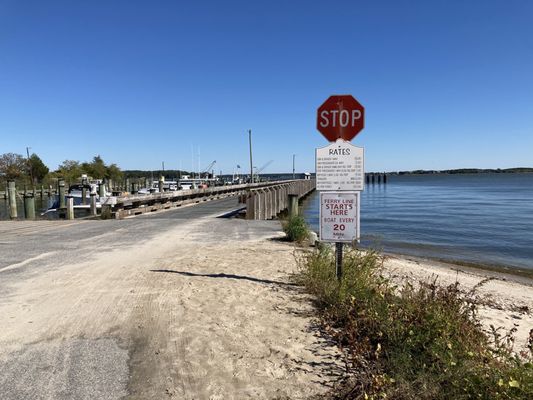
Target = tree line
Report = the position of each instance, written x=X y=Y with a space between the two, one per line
x=33 y=171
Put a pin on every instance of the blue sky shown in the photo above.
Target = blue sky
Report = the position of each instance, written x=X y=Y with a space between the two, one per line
x=445 y=84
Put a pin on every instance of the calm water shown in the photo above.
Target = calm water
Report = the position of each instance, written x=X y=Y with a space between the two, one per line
x=479 y=218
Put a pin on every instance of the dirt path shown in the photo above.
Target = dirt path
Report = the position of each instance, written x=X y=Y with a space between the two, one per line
x=202 y=311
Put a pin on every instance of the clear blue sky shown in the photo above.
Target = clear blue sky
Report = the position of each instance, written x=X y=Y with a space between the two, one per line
x=445 y=84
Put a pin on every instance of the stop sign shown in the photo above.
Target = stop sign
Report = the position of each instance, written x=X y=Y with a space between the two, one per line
x=340 y=117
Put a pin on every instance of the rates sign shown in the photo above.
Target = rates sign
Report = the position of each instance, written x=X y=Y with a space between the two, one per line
x=340 y=117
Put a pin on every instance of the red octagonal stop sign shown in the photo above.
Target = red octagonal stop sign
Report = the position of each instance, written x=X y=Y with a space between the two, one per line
x=340 y=117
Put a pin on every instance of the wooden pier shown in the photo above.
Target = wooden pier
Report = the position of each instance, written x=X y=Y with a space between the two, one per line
x=263 y=200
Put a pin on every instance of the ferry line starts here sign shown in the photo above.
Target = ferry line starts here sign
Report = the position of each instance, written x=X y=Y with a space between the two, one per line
x=339 y=216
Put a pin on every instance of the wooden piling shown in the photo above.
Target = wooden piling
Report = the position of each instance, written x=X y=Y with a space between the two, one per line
x=29 y=205
x=101 y=189
x=12 y=193
x=83 y=192
x=93 y=204
x=373 y=179
x=161 y=183
x=62 y=202
x=379 y=179
x=70 y=207
x=384 y=178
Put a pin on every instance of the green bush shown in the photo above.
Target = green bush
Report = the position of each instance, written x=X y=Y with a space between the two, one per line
x=411 y=342
x=296 y=229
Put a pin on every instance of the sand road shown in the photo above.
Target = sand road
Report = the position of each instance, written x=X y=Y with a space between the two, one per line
x=201 y=309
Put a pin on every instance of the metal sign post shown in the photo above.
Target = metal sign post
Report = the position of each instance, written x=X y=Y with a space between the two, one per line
x=338 y=260
x=340 y=172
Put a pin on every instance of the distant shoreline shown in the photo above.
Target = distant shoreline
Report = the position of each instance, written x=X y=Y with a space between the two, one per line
x=517 y=170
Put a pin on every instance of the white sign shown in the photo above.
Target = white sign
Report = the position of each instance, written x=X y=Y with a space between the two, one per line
x=340 y=166
x=339 y=216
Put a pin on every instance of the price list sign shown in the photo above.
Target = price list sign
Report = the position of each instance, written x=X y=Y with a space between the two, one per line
x=340 y=166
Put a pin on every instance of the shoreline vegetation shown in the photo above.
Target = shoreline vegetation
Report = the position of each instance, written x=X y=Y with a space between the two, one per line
x=413 y=330
x=516 y=170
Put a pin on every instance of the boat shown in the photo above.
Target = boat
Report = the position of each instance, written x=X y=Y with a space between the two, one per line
x=76 y=192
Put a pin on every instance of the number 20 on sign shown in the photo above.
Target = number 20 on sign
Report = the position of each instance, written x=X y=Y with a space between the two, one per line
x=339 y=216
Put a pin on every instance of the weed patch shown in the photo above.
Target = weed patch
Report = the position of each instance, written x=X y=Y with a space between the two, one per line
x=296 y=229
x=409 y=341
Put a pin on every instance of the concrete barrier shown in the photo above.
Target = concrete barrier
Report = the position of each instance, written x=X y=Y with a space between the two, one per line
x=267 y=202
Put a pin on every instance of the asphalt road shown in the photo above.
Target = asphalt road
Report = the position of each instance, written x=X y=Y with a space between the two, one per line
x=24 y=241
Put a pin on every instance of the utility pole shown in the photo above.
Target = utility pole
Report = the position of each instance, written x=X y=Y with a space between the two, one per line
x=293 y=157
x=251 y=164
x=30 y=168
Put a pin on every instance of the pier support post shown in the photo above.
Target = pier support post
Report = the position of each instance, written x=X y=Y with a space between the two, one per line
x=93 y=204
x=70 y=207
x=250 y=205
x=293 y=205
x=161 y=183
x=101 y=189
x=257 y=203
x=62 y=202
x=12 y=194
x=83 y=192
x=29 y=205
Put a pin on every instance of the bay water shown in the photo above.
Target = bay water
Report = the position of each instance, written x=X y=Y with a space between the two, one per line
x=482 y=219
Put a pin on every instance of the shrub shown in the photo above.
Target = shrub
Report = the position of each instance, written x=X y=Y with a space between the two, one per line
x=296 y=229
x=410 y=342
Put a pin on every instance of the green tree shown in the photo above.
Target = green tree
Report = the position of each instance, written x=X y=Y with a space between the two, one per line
x=13 y=166
x=70 y=170
x=96 y=169
x=38 y=169
x=113 y=172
